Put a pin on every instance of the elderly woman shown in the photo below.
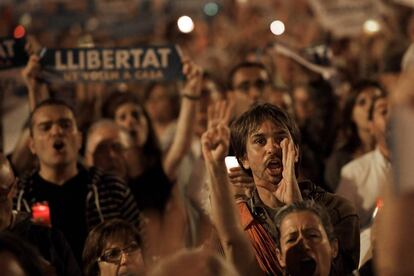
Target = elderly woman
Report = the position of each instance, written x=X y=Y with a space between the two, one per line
x=305 y=240
x=113 y=248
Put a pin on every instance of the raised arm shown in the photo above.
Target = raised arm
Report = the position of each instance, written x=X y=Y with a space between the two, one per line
x=237 y=247
x=184 y=133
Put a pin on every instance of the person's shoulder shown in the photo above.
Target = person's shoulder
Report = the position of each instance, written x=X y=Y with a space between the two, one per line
x=336 y=205
x=99 y=177
x=359 y=163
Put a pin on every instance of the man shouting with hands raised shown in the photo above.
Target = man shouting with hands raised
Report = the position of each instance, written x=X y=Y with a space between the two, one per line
x=266 y=144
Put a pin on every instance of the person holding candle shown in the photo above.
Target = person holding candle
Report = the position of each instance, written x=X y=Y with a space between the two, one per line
x=78 y=198
x=50 y=242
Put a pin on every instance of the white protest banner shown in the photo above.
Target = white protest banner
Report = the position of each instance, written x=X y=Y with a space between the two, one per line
x=345 y=17
x=149 y=63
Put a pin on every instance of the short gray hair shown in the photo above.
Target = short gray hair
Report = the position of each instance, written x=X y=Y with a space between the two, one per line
x=306 y=205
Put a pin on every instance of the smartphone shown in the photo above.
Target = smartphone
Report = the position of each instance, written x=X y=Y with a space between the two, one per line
x=231 y=162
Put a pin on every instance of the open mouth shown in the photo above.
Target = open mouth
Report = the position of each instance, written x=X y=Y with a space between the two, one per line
x=274 y=166
x=58 y=145
x=307 y=265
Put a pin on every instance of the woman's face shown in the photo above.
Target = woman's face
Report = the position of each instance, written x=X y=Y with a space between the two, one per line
x=123 y=259
x=304 y=245
x=131 y=117
x=302 y=104
x=159 y=105
x=361 y=108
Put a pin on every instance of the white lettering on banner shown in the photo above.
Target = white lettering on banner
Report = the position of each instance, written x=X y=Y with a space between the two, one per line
x=91 y=76
x=121 y=59
x=6 y=48
x=109 y=59
x=93 y=61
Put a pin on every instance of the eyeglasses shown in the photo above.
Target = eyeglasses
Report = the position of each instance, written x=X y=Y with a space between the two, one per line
x=114 y=255
x=246 y=85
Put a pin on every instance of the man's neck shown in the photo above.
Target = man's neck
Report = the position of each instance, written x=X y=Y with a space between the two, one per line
x=58 y=175
x=268 y=198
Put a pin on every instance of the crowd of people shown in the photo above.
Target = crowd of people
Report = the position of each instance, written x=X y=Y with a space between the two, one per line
x=134 y=179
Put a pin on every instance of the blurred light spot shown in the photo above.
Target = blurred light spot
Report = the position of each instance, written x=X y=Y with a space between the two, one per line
x=185 y=24
x=211 y=8
x=19 y=31
x=277 y=27
x=371 y=26
x=25 y=20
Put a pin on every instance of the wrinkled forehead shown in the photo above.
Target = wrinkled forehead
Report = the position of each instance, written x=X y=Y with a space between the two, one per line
x=276 y=127
x=300 y=220
x=52 y=112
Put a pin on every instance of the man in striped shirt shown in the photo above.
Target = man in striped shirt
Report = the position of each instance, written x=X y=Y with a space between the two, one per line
x=77 y=198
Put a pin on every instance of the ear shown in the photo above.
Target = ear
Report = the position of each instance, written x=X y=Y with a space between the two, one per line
x=334 y=246
x=280 y=258
x=31 y=145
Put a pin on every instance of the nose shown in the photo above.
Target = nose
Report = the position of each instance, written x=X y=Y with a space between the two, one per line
x=56 y=129
x=303 y=243
x=255 y=93
x=131 y=121
x=124 y=257
x=272 y=146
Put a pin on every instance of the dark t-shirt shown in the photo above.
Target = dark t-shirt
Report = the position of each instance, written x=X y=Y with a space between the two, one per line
x=67 y=207
x=152 y=189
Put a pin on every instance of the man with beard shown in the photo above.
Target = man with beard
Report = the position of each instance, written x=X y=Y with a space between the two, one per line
x=363 y=179
x=266 y=144
x=48 y=241
x=78 y=199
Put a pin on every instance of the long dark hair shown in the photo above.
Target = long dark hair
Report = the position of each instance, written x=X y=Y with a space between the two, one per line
x=151 y=149
x=349 y=137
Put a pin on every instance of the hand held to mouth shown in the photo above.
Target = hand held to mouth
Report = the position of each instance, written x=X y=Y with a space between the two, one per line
x=288 y=188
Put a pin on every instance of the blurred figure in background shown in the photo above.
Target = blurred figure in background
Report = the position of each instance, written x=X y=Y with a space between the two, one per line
x=363 y=178
x=355 y=136
x=316 y=113
x=162 y=102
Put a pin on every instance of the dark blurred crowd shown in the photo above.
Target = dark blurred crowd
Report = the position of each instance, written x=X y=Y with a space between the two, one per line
x=274 y=155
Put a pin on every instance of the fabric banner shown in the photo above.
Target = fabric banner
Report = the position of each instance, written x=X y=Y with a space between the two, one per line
x=149 y=63
x=12 y=53
x=346 y=17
